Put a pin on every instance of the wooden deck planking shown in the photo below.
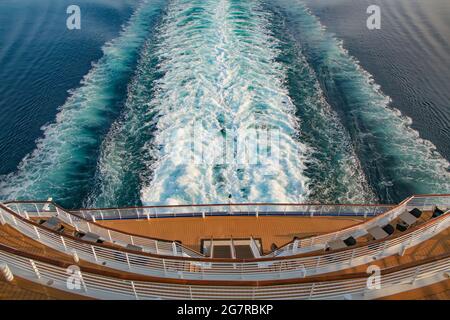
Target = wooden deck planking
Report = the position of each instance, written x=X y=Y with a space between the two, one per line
x=190 y=231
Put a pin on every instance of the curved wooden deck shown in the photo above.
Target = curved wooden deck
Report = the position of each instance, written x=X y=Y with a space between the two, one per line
x=190 y=231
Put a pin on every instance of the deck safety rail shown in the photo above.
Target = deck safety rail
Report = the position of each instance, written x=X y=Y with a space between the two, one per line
x=156 y=246
x=99 y=286
x=382 y=214
x=422 y=202
x=308 y=210
x=210 y=269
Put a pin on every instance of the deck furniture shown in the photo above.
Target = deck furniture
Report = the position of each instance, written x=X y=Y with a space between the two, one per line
x=378 y=233
x=350 y=241
x=91 y=237
x=408 y=218
x=437 y=212
x=336 y=245
x=402 y=226
x=134 y=247
x=340 y=244
x=416 y=213
x=53 y=223
x=389 y=229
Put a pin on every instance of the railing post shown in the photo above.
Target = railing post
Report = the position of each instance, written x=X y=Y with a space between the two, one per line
x=174 y=249
x=71 y=222
x=164 y=265
x=2 y=219
x=37 y=232
x=110 y=237
x=318 y=263
x=128 y=260
x=311 y=293
x=64 y=243
x=75 y=256
x=37 y=210
x=82 y=280
x=416 y=273
x=137 y=213
x=6 y=272
x=36 y=271
x=18 y=209
x=26 y=214
x=95 y=255
x=134 y=290
x=295 y=248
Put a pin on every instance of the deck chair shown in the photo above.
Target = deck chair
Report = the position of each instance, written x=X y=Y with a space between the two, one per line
x=53 y=223
x=416 y=213
x=401 y=226
x=350 y=241
x=388 y=229
x=437 y=213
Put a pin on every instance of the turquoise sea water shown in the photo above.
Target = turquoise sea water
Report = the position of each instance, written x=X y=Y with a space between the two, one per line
x=122 y=136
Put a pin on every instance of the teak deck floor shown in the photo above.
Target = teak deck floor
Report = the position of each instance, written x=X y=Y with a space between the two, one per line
x=190 y=231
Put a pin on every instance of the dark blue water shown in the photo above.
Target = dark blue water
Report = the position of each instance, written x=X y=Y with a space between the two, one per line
x=373 y=130
x=53 y=60
x=409 y=57
x=41 y=60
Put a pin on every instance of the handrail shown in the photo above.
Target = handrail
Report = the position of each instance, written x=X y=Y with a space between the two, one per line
x=188 y=268
x=95 y=284
x=120 y=236
x=151 y=245
x=319 y=242
x=291 y=248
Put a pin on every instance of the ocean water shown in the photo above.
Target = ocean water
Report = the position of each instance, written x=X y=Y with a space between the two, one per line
x=193 y=70
x=40 y=60
x=63 y=162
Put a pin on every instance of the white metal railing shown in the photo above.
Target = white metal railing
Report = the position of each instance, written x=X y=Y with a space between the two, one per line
x=306 y=210
x=382 y=215
x=233 y=210
x=267 y=269
x=155 y=246
x=425 y=202
x=102 y=287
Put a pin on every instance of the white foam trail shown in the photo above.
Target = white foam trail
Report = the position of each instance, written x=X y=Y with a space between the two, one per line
x=220 y=74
